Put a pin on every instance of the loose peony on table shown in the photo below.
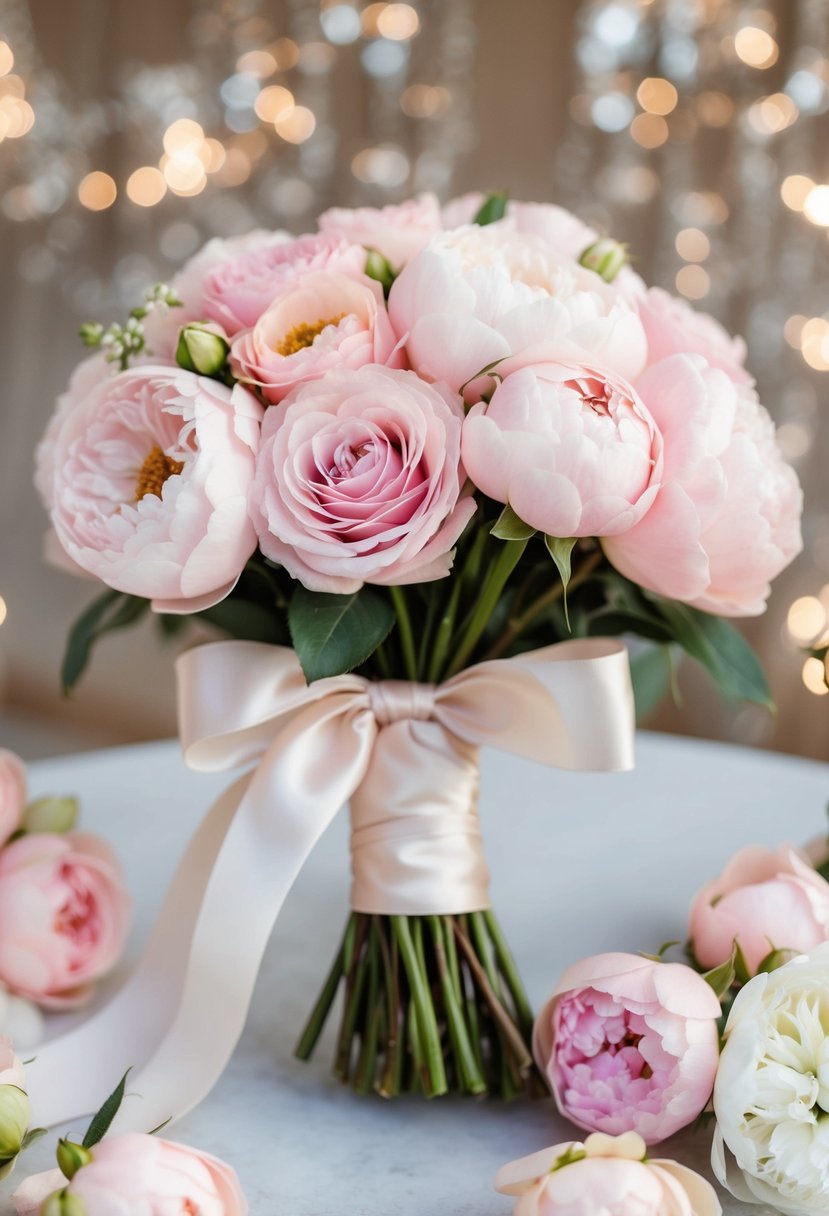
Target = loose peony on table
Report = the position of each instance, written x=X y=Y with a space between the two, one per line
x=580 y=864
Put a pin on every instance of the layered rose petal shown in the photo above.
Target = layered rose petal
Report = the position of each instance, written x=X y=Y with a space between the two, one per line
x=358 y=480
x=12 y=793
x=398 y=231
x=673 y=327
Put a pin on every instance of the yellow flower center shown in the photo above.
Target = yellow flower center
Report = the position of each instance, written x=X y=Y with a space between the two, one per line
x=154 y=472
x=303 y=335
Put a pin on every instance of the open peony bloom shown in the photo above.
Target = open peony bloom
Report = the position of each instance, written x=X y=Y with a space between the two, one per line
x=477 y=295
x=763 y=900
x=64 y=915
x=726 y=520
x=358 y=480
x=605 y=1176
x=628 y=1044
x=319 y=322
x=572 y=450
x=12 y=793
x=147 y=477
x=673 y=327
x=771 y=1144
x=398 y=231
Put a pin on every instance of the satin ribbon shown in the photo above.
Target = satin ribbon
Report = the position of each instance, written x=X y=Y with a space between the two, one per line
x=179 y=1017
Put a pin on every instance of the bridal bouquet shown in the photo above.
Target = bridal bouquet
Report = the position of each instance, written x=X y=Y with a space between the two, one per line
x=419 y=446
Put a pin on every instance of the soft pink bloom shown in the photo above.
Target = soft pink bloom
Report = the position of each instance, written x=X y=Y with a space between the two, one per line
x=573 y=450
x=628 y=1044
x=12 y=793
x=477 y=295
x=317 y=323
x=236 y=292
x=64 y=915
x=11 y=1069
x=673 y=327
x=30 y=1195
x=148 y=475
x=398 y=231
x=605 y=1176
x=358 y=480
x=765 y=900
x=727 y=518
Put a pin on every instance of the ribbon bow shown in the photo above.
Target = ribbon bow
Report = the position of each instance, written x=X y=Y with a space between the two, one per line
x=181 y=1013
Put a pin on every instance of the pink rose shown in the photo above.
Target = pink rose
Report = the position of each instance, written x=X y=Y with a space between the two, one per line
x=358 y=480
x=319 y=322
x=629 y=1045
x=765 y=901
x=572 y=450
x=64 y=915
x=605 y=1176
x=148 y=476
x=726 y=520
x=12 y=793
x=398 y=231
x=673 y=327
x=11 y=1069
x=236 y=292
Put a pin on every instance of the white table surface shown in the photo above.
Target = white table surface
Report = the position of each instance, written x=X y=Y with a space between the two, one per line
x=580 y=864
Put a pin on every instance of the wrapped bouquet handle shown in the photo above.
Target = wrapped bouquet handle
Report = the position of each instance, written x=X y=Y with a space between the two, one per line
x=178 y=1019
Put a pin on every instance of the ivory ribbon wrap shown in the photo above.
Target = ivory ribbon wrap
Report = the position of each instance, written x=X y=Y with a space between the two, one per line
x=406 y=757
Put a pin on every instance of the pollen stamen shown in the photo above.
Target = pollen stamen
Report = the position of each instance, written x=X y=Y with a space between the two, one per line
x=154 y=472
x=304 y=334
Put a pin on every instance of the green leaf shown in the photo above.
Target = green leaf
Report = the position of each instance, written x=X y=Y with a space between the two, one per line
x=560 y=550
x=335 y=633
x=112 y=610
x=651 y=676
x=246 y=621
x=493 y=208
x=102 y=1122
x=509 y=527
x=618 y=621
x=721 y=978
x=380 y=268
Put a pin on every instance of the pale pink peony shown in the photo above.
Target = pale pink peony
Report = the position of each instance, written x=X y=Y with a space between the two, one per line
x=320 y=322
x=673 y=327
x=477 y=295
x=64 y=916
x=628 y=1044
x=148 y=475
x=236 y=292
x=763 y=900
x=11 y=1069
x=398 y=231
x=358 y=480
x=727 y=518
x=605 y=1176
x=12 y=793
x=571 y=449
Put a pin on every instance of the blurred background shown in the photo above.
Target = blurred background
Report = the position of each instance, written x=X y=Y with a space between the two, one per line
x=696 y=130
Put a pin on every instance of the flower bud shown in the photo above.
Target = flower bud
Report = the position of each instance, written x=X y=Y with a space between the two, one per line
x=202 y=348
x=777 y=958
x=61 y=1203
x=15 y=1114
x=51 y=815
x=606 y=257
x=71 y=1158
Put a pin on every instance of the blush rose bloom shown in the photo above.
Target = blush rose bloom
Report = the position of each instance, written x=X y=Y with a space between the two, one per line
x=398 y=231
x=605 y=1176
x=628 y=1044
x=572 y=450
x=317 y=323
x=147 y=475
x=12 y=793
x=673 y=327
x=726 y=520
x=765 y=901
x=64 y=916
x=358 y=481
x=477 y=295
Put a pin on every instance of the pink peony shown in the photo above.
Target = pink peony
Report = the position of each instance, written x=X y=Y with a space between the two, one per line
x=358 y=480
x=64 y=915
x=675 y=328
x=727 y=518
x=628 y=1044
x=765 y=901
x=12 y=793
x=398 y=231
x=571 y=449
x=605 y=1176
x=478 y=295
x=148 y=475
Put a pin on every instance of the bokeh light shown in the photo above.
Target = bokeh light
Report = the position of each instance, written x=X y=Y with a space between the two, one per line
x=756 y=47
x=97 y=191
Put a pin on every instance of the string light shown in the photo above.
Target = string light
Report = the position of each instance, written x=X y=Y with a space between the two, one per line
x=693 y=282
x=656 y=95
x=795 y=189
x=816 y=206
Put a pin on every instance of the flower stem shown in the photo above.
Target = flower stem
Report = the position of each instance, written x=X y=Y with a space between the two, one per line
x=340 y=966
x=508 y=969
x=404 y=624
x=517 y=626
x=470 y=1075
x=503 y=566
x=427 y=1027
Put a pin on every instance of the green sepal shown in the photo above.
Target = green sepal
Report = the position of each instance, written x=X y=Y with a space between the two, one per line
x=508 y=526
x=561 y=550
x=51 y=814
x=332 y=634
x=380 y=268
x=71 y=1157
x=493 y=208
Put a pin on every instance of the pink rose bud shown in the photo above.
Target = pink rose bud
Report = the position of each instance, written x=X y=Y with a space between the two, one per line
x=12 y=793
x=398 y=231
x=64 y=915
x=628 y=1044
x=765 y=901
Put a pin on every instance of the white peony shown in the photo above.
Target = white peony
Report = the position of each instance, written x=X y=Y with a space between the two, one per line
x=771 y=1096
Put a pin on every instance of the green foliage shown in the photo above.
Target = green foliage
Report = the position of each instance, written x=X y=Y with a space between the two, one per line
x=561 y=551
x=493 y=208
x=509 y=527
x=336 y=633
x=380 y=268
x=110 y=611
x=102 y=1121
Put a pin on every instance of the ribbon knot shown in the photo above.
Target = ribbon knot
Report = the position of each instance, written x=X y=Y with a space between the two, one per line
x=398 y=700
